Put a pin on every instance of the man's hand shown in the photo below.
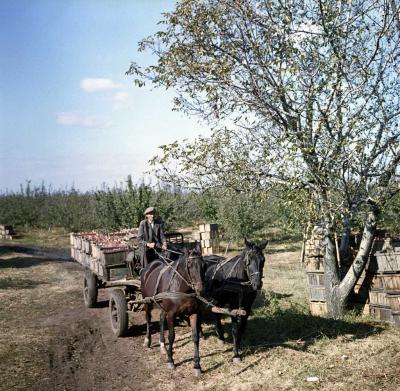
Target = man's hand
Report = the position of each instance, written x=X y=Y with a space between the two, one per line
x=164 y=246
x=150 y=245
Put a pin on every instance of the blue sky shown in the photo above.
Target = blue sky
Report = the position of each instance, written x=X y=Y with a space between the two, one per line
x=68 y=113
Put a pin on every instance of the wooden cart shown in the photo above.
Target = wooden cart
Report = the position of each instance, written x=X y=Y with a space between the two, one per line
x=115 y=269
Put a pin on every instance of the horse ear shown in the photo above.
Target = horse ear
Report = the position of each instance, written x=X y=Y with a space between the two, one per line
x=197 y=247
x=247 y=243
x=263 y=244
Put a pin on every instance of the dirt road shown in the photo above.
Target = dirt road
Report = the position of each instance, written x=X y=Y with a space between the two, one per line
x=53 y=342
x=50 y=341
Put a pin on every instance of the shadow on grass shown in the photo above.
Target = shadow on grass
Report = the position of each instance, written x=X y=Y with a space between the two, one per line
x=21 y=262
x=278 y=323
x=12 y=283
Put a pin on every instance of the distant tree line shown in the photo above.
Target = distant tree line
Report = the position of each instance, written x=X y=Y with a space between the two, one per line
x=111 y=208
x=239 y=214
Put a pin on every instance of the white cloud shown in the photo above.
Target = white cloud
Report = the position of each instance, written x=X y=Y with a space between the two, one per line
x=81 y=120
x=99 y=84
x=120 y=100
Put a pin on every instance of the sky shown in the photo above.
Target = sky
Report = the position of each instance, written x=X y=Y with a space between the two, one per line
x=68 y=113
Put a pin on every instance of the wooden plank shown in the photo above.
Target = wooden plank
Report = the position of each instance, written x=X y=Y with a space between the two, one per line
x=318 y=308
x=385 y=262
x=317 y=293
x=315 y=278
x=390 y=282
x=394 y=302
x=381 y=313
x=378 y=297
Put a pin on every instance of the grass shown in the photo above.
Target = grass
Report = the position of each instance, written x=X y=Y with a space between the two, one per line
x=283 y=346
x=30 y=292
x=46 y=238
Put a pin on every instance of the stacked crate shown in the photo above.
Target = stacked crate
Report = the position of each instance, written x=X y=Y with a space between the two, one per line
x=378 y=287
x=209 y=238
x=102 y=253
x=384 y=293
x=314 y=266
x=6 y=232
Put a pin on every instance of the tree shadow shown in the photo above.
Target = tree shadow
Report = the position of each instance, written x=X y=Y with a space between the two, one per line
x=282 y=327
x=12 y=283
x=277 y=322
x=17 y=249
x=22 y=262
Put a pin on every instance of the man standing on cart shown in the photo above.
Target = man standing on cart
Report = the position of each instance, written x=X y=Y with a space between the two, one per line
x=149 y=236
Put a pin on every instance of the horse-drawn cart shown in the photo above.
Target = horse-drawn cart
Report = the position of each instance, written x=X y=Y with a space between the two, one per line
x=111 y=261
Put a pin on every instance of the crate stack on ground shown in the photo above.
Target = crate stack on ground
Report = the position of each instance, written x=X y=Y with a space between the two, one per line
x=6 y=232
x=209 y=239
x=314 y=266
x=384 y=292
x=102 y=253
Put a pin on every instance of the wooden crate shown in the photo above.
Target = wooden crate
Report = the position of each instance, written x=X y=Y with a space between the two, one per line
x=316 y=293
x=315 y=278
x=379 y=297
x=314 y=264
x=383 y=313
x=390 y=282
x=383 y=262
x=396 y=317
x=377 y=282
x=316 y=287
x=394 y=302
x=318 y=308
x=110 y=257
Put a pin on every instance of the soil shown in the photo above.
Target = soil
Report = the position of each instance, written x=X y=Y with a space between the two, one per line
x=83 y=354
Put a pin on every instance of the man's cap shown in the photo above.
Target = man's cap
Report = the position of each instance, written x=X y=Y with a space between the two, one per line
x=149 y=210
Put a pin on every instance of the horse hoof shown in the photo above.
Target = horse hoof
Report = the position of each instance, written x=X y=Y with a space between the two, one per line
x=197 y=372
x=170 y=365
x=162 y=349
x=221 y=342
x=237 y=360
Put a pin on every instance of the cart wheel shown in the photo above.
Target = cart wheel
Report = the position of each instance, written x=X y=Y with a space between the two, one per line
x=118 y=313
x=90 y=289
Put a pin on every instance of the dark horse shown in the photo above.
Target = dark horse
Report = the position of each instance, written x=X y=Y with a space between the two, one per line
x=234 y=283
x=173 y=286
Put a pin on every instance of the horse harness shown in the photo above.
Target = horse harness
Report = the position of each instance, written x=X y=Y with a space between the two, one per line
x=175 y=271
x=247 y=263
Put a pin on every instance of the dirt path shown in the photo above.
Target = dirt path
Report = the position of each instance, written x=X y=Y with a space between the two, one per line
x=49 y=341
x=78 y=350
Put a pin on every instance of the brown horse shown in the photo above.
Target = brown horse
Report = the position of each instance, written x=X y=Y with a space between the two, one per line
x=173 y=287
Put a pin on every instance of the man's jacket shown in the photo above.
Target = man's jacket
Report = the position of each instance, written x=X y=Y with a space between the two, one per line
x=146 y=234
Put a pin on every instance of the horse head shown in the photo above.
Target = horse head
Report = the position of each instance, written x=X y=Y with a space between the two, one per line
x=254 y=262
x=194 y=265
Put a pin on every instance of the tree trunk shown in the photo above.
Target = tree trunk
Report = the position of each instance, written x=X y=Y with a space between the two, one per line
x=361 y=259
x=344 y=241
x=337 y=292
x=332 y=279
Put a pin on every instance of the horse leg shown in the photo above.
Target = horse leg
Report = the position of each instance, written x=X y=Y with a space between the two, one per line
x=162 y=336
x=147 y=339
x=236 y=339
x=194 y=324
x=171 y=339
x=199 y=322
x=219 y=329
